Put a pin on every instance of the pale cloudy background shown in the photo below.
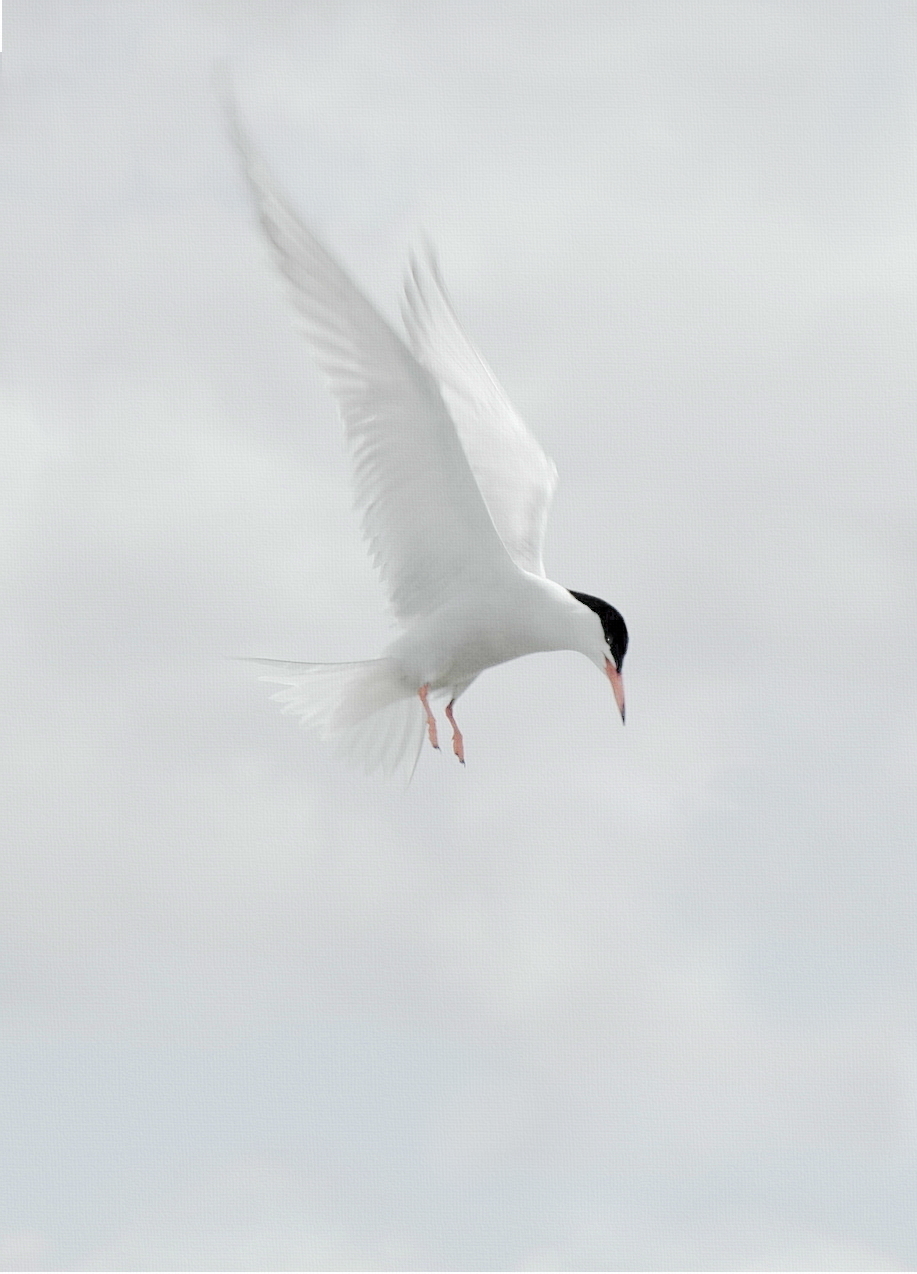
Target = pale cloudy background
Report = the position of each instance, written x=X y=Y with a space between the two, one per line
x=610 y=998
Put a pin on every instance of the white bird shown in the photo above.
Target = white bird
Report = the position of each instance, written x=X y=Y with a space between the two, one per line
x=453 y=492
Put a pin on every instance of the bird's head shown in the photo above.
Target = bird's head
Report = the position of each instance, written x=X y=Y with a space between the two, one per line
x=614 y=631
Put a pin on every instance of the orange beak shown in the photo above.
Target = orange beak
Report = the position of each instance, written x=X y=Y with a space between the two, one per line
x=617 y=685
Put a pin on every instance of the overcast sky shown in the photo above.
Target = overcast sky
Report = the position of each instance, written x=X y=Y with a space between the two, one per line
x=609 y=998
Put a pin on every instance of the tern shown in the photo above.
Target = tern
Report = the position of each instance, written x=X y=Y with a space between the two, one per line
x=453 y=492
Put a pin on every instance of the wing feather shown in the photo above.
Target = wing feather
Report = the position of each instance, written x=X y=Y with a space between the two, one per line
x=429 y=530
x=516 y=478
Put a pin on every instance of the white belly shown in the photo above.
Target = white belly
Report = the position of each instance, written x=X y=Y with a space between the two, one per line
x=450 y=648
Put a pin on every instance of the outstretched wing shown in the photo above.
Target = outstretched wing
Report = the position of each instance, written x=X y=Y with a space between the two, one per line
x=516 y=478
x=429 y=531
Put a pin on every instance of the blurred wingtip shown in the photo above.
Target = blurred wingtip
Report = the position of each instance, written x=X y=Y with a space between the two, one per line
x=428 y=248
x=224 y=90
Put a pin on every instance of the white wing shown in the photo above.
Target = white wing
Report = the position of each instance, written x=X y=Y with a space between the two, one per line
x=429 y=531
x=515 y=476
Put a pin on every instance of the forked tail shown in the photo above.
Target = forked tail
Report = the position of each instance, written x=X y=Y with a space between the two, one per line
x=363 y=708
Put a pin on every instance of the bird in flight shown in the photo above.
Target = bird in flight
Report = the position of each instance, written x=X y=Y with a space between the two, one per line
x=453 y=493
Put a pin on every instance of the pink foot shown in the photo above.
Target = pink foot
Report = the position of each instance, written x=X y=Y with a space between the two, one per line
x=431 y=720
x=458 y=743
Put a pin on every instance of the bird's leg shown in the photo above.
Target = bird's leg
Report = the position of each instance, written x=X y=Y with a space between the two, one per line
x=458 y=743
x=431 y=720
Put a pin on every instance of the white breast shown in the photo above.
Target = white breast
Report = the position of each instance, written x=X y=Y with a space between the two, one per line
x=453 y=645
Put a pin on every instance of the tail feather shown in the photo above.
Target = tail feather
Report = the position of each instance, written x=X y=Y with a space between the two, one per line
x=363 y=708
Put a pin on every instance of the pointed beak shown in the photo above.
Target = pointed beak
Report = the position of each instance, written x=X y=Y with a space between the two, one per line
x=617 y=685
